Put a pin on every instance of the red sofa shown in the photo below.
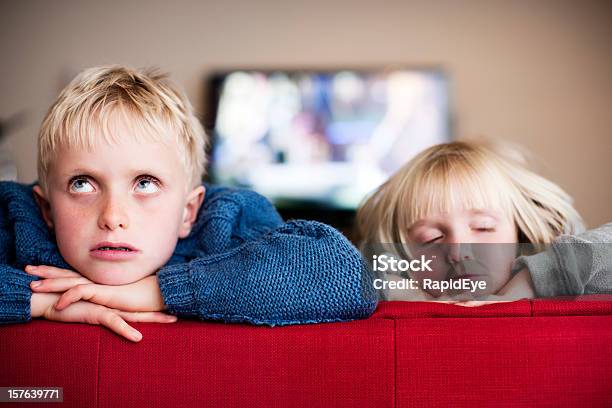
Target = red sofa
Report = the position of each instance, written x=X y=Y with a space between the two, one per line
x=527 y=353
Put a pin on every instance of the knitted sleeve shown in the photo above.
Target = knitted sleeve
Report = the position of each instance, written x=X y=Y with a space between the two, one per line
x=299 y=272
x=573 y=265
x=15 y=292
x=15 y=295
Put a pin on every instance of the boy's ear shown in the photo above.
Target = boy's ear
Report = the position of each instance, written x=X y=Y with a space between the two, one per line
x=44 y=205
x=190 y=213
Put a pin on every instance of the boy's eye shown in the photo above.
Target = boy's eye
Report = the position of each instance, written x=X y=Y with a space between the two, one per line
x=147 y=185
x=81 y=185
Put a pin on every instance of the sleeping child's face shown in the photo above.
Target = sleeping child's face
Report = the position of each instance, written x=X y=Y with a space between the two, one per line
x=479 y=245
x=118 y=210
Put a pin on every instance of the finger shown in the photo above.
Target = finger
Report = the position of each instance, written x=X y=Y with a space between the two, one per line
x=148 y=317
x=79 y=292
x=85 y=312
x=45 y=271
x=468 y=304
x=57 y=284
x=116 y=323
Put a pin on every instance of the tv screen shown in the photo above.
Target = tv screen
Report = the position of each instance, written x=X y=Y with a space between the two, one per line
x=323 y=140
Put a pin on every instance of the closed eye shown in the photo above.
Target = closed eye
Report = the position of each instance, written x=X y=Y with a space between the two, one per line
x=431 y=241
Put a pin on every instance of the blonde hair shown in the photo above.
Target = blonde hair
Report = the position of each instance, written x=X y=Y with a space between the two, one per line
x=474 y=176
x=145 y=99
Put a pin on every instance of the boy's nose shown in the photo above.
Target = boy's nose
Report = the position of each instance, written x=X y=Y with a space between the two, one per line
x=113 y=217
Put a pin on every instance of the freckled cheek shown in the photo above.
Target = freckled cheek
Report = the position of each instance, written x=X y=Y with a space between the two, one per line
x=159 y=221
x=71 y=226
x=155 y=232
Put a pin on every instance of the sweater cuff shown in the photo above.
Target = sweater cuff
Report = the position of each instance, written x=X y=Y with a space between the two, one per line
x=548 y=279
x=177 y=289
x=16 y=296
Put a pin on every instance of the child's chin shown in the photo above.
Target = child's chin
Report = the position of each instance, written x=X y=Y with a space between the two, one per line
x=113 y=277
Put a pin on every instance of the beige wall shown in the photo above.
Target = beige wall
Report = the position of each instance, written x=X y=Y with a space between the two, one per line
x=534 y=72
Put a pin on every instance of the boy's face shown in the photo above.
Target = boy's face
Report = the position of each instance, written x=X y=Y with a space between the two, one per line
x=132 y=194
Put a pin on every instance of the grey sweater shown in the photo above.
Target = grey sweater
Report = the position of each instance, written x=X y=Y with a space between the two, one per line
x=573 y=265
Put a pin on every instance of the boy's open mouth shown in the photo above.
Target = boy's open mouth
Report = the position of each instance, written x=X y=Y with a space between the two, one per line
x=114 y=251
x=110 y=246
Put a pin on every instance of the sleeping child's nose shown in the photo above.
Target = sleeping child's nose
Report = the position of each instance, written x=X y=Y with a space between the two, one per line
x=458 y=252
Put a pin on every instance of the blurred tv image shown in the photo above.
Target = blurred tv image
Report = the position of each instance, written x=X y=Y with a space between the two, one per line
x=323 y=139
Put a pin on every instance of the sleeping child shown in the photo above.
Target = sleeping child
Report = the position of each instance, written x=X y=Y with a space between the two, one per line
x=484 y=226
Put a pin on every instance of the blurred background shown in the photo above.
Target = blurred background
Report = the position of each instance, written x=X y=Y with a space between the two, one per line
x=321 y=83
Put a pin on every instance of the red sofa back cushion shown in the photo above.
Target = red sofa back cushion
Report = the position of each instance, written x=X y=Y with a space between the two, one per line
x=524 y=353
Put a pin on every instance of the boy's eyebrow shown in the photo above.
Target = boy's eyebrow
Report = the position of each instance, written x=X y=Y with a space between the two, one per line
x=99 y=175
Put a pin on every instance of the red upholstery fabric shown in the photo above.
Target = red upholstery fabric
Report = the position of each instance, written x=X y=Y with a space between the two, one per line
x=192 y=363
x=525 y=354
x=49 y=354
x=404 y=310
x=583 y=305
x=545 y=362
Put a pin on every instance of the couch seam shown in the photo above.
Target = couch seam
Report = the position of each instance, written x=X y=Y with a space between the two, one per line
x=98 y=369
x=395 y=363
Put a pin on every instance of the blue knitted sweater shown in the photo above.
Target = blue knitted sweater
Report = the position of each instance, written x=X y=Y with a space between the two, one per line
x=240 y=263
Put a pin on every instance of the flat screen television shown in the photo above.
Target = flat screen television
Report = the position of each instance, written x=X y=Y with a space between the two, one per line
x=322 y=139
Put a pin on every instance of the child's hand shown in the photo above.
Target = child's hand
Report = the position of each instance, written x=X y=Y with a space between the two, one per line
x=475 y=303
x=141 y=296
x=519 y=287
x=54 y=279
x=85 y=312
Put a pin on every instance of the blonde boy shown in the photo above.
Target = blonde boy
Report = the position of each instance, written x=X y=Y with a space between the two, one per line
x=120 y=165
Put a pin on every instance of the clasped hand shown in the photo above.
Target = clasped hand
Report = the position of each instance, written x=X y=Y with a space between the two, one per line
x=66 y=296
